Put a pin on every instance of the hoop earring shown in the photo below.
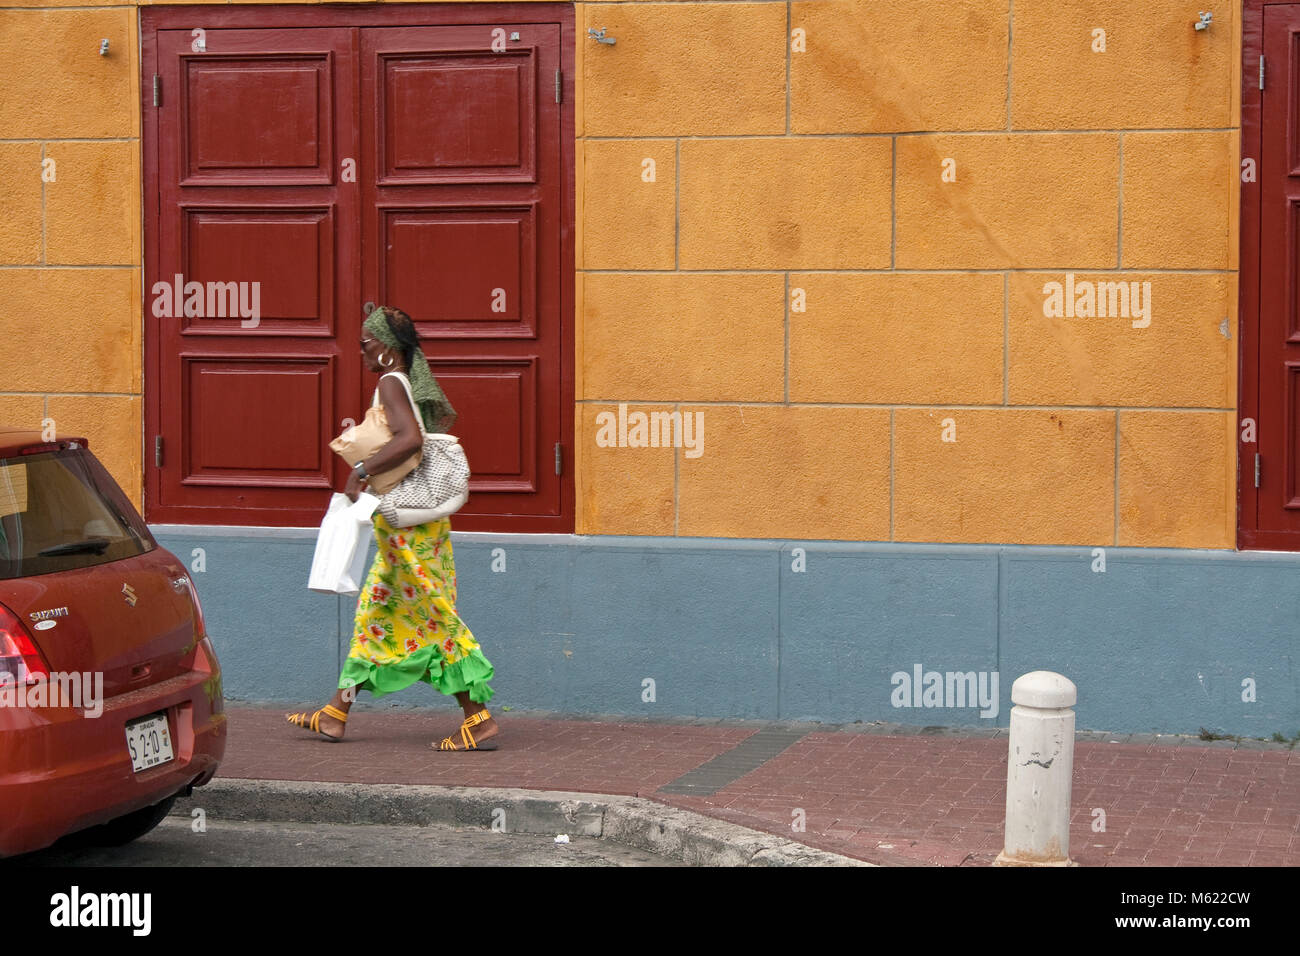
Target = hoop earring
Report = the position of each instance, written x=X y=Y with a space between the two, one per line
x=389 y=364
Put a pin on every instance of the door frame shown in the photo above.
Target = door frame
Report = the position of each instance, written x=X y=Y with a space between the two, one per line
x=154 y=18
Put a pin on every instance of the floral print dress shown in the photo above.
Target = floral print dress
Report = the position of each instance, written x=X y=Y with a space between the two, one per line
x=407 y=628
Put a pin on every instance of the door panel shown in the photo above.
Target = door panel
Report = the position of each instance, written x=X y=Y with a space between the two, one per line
x=310 y=160
x=463 y=233
x=1278 y=498
x=252 y=370
x=222 y=97
x=471 y=271
x=288 y=252
x=455 y=115
x=500 y=397
x=220 y=452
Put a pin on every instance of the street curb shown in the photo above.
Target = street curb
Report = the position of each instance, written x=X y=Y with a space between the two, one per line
x=632 y=821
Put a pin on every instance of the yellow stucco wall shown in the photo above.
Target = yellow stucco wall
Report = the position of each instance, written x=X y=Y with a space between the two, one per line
x=922 y=297
x=70 y=298
x=798 y=274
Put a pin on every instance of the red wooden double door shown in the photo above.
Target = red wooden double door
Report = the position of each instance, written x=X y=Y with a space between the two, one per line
x=301 y=163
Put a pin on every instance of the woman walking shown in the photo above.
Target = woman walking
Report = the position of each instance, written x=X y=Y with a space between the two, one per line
x=406 y=627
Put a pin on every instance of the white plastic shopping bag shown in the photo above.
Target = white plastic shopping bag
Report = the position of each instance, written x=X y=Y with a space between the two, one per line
x=339 y=564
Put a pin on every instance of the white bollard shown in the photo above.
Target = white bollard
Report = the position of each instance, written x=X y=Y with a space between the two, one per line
x=1040 y=767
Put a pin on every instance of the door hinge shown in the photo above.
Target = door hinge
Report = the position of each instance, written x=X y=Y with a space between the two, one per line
x=157 y=450
x=559 y=458
x=1261 y=72
x=157 y=90
x=1257 y=470
x=559 y=86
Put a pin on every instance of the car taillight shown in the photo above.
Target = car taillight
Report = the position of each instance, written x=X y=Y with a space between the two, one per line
x=20 y=661
x=205 y=661
x=200 y=625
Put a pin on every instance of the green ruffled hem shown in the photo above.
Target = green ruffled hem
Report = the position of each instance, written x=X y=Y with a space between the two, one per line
x=470 y=674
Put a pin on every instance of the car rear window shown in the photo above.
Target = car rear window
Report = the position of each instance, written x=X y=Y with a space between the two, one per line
x=60 y=511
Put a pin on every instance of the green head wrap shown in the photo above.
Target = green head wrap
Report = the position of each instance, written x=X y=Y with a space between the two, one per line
x=437 y=412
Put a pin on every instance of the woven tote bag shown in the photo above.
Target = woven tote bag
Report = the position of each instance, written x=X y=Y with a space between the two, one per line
x=439 y=484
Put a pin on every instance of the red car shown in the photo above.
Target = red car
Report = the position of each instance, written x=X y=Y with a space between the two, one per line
x=110 y=691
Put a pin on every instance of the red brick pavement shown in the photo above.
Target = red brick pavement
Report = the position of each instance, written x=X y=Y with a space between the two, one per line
x=888 y=798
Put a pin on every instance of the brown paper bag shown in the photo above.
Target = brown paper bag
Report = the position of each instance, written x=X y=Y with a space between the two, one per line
x=364 y=439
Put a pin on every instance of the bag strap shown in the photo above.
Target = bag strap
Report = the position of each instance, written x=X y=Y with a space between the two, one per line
x=406 y=383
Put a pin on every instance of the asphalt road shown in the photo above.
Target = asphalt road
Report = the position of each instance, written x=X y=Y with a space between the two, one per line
x=173 y=843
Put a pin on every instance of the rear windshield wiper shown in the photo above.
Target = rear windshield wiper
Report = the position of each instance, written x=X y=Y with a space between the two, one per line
x=89 y=546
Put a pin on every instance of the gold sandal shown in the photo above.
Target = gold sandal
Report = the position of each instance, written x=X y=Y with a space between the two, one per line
x=466 y=738
x=312 y=721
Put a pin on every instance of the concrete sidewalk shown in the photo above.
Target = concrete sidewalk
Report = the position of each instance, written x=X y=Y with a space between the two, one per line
x=885 y=794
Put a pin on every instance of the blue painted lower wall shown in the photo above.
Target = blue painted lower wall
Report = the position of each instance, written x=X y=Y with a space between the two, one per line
x=1166 y=641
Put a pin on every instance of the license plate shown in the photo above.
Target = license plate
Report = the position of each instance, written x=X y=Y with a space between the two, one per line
x=149 y=742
